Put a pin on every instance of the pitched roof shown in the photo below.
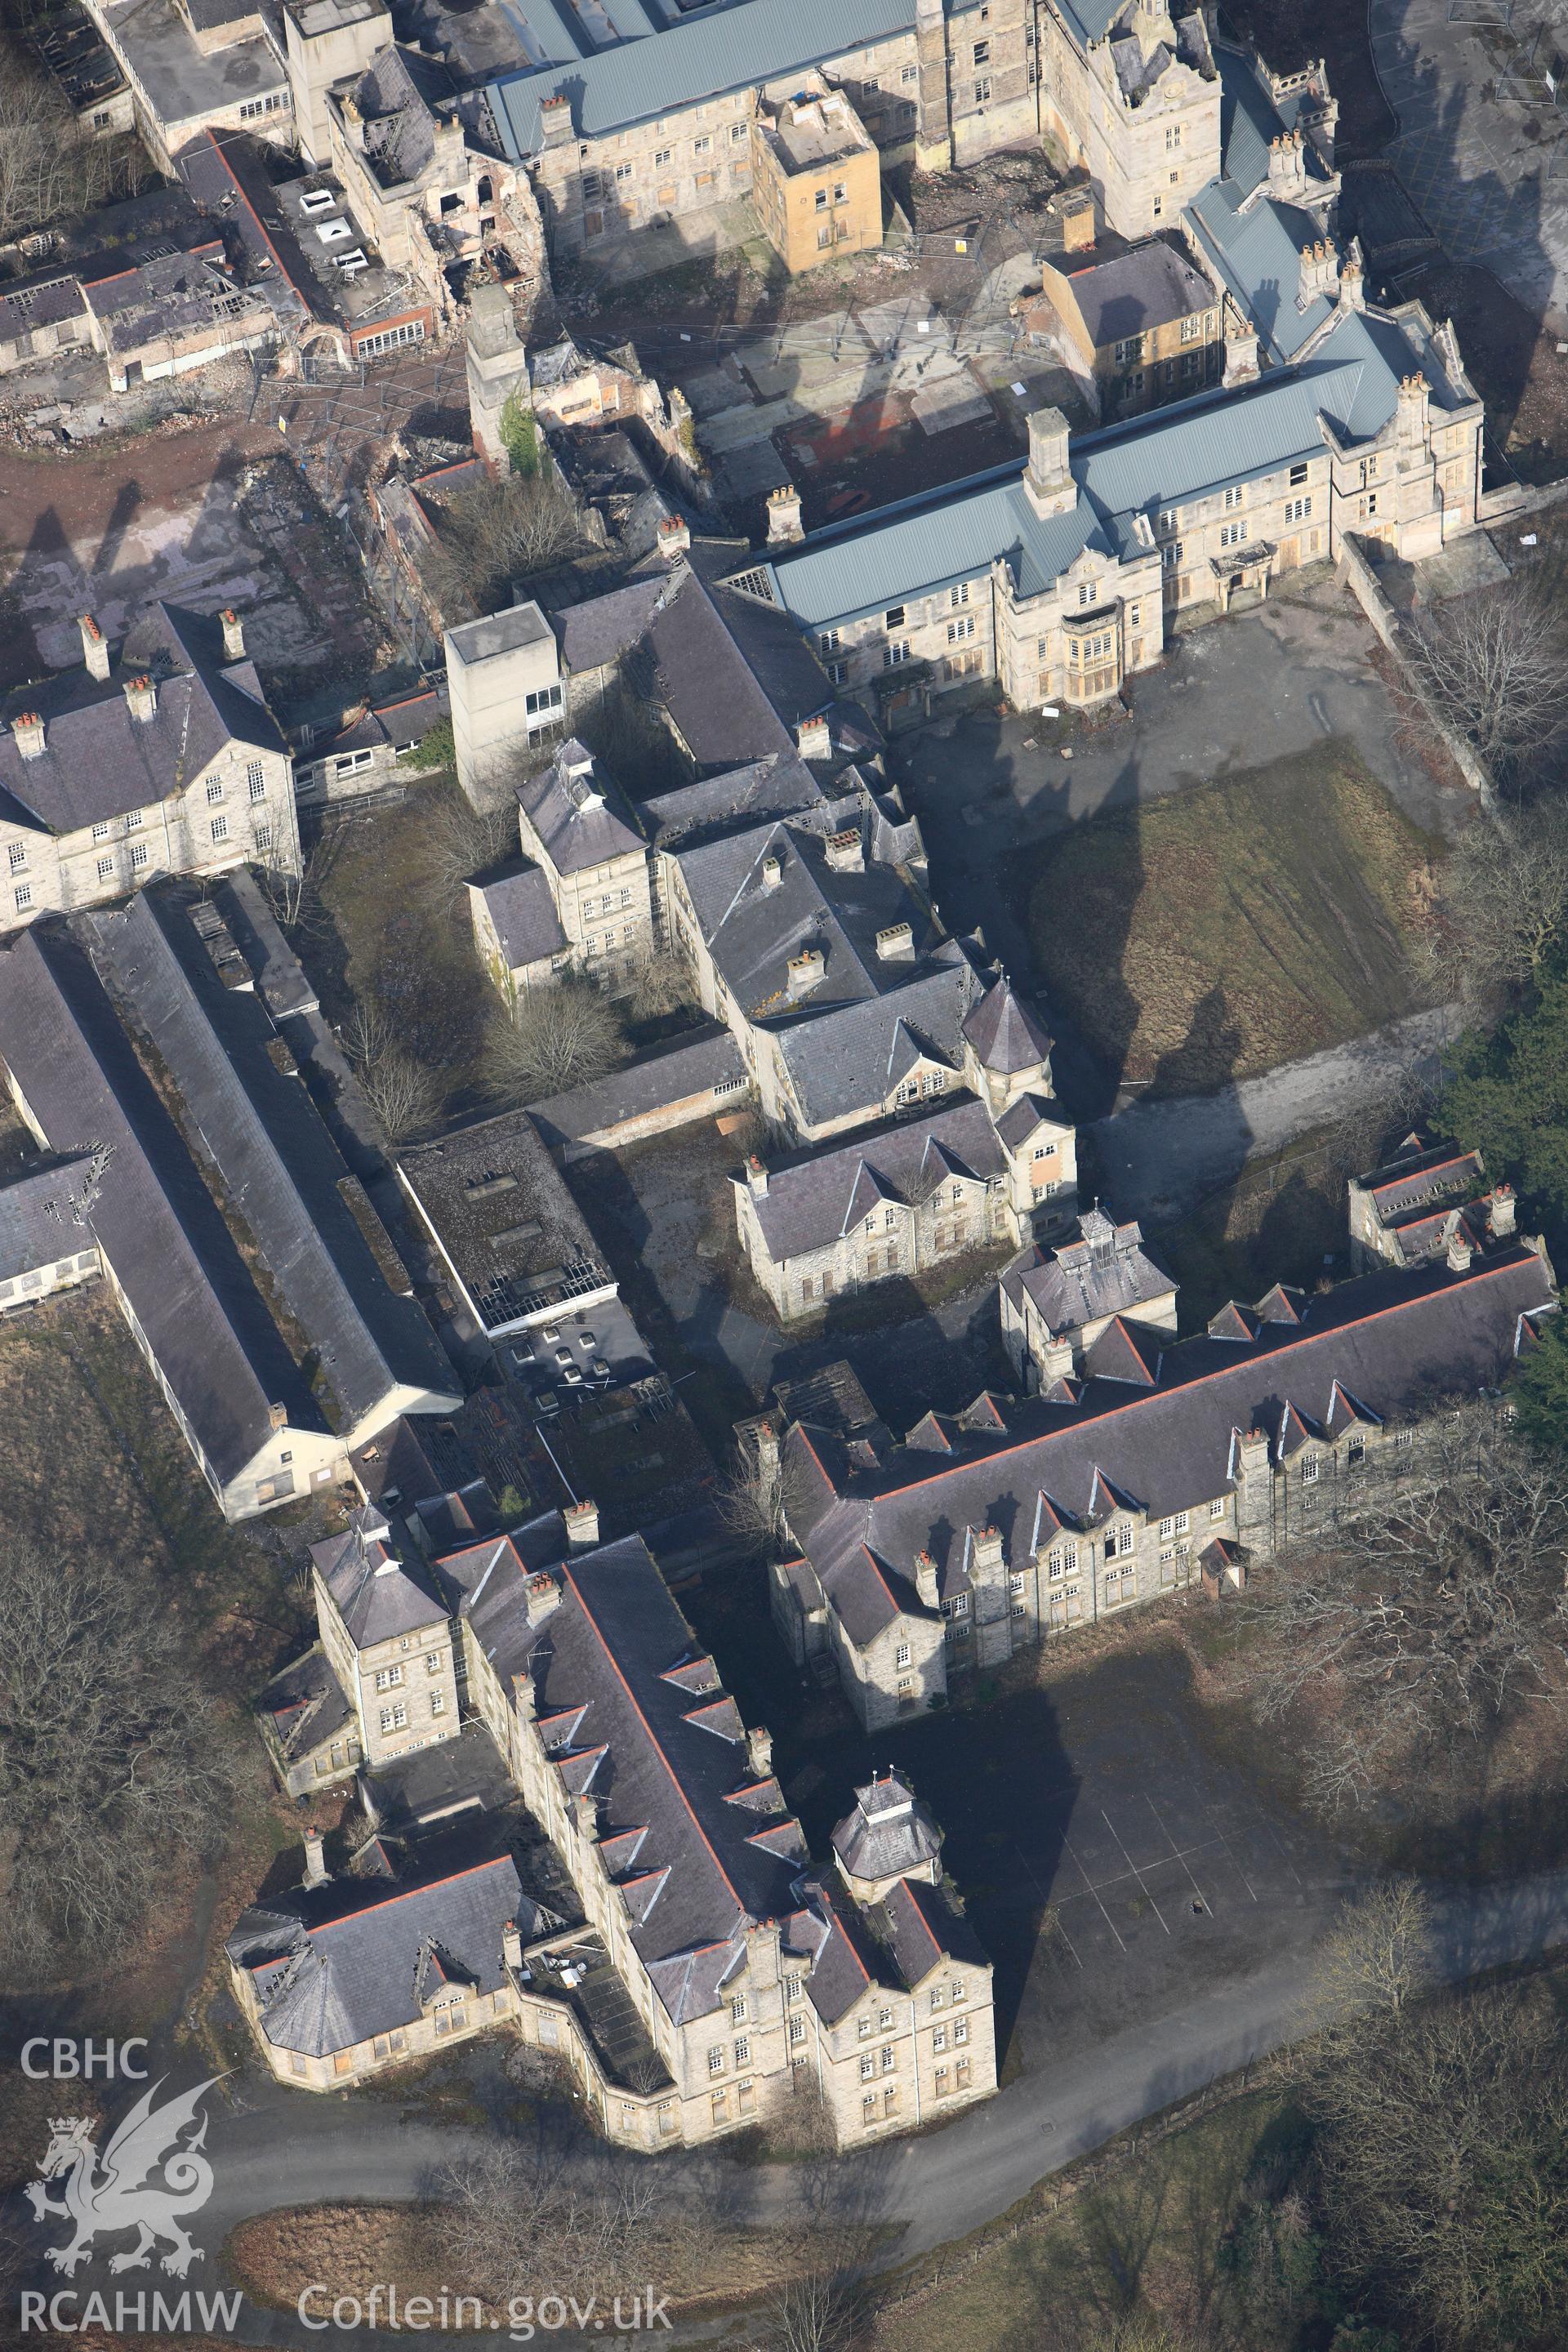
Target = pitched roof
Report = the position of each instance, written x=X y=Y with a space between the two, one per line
x=580 y=816
x=173 y=1257
x=377 y=1594
x=261 y=1133
x=691 y=1065
x=735 y=677
x=814 y=1198
x=324 y=1983
x=1105 y=1271
x=888 y=1832
x=99 y=762
x=1391 y=1339
x=1149 y=287
x=1006 y=1035
x=41 y=1218
x=923 y=1930
x=521 y=906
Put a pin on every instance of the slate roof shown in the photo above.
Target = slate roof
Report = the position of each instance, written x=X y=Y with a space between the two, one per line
x=753 y=928
x=1006 y=1035
x=46 y=299
x=778 y=785
x=735 y=677
x=523 y=912
x=580 y=816
x=155 y=1219
x=1151 y=285
x=324 y=1983
x=490 y=1195
x=378 y=1595
x=691 y=1065
x=603 y=629
x=39 y=1216
x=889 y=1831
x=1390 y=1338
x=304 y=1705
x=854 y=1059
x=263 y=1137
x=814 y=1198
x=393 y=95
x=923 y=1930
x=635 y=1717
x=1104 y=1271
x=98 y=761
x=1415 y=1180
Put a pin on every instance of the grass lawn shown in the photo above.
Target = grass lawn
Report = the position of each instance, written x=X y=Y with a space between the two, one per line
x=385 y=936
x=1211 y=935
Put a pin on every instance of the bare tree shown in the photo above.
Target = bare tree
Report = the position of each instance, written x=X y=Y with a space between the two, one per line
x=1501 y=910
x=1440 y=2154
x=463 y=841
x=820 y=2311
x=48 y=167
x=661 y=984
x=1494 y=662
x=756 y=1502
x=500 y=533
x=110 y=1759
x=403 y=1093
x=1429 y=1608
x=296 y=900
x=522 y=2218
x=1375 y=1959
x=558 y=1037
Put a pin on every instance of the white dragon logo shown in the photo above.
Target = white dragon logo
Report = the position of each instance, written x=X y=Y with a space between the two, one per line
x=112 y=2190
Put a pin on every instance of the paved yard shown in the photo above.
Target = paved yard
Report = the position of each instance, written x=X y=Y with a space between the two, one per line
x=1478 y=140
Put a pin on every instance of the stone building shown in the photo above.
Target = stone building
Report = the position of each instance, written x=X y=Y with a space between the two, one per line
x=1402 y=1212
x=900 y=1200
x=517 y=931
x=1138 y=329
x=687 y=1964
x=584 y=836
x=157 y=757
x=1056 y=1301
x=385 y=1637
x=1014 y=1521
x=816 y=177
x=46 y=1239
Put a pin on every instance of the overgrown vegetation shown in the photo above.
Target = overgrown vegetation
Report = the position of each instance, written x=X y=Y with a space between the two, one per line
x=49 y=169
x=499 y=535
x=1218 y=932
x=562 y=1035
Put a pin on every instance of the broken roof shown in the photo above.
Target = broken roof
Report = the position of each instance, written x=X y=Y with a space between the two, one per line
x=492 y=1201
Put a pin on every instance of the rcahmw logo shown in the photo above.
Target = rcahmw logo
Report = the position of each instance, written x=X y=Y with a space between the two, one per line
x=147 y=2179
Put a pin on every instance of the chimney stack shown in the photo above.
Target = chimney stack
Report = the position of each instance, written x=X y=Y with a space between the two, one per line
x=316 y=1871
x=674 y=536
x=846 y=851
x=510 y=1947
x=760 y=1751
x=757 y=1178
x=233 y=635
x=1502 y=1215
x=543 y=1593
x=94 y=646
x=277 y=1416
x=1047 y=484
x=766 y=1438
x=582 y=1525
x=805 y=972
x=773 y=870
x=784 y=524
x=1459 y=1252
x=142 y=695
x=925 y=1580
x=896 y=944
x=27 y=731
x=813 y=737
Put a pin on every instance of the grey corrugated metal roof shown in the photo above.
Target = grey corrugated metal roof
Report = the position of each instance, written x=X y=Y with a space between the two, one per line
x=1249 y=120
x=733 y=51
x=924 y=544
x=1259 y=255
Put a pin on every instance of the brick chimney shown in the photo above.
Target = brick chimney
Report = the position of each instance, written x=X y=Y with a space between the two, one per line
x=94 y=646
x=142 y=695
x=582 y=1525
x=27 y=731
x=316 y=1871
x=542 y=1595
x=784 y=524
x=277 y=1416
x=1075 y=210
x=233 y=635
x=925 y=1580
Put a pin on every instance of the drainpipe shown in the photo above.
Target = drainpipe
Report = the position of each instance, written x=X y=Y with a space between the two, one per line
x=915 y=2044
